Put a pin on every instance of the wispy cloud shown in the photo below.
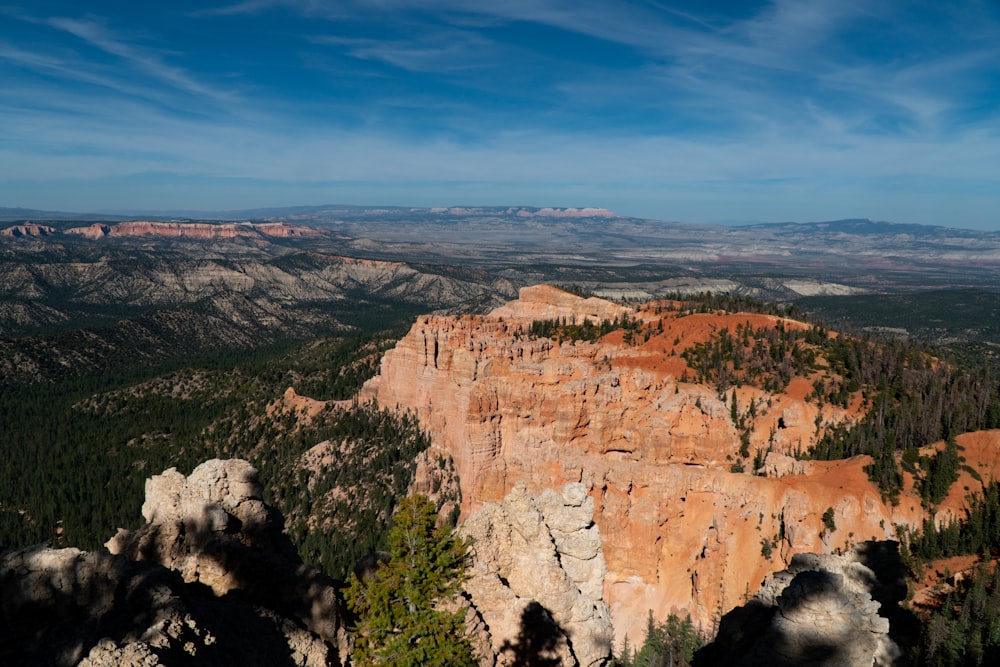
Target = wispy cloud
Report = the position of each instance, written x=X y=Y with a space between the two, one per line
x=235 y=9
x=443 y=51
x=799 y=101
x=99 y=36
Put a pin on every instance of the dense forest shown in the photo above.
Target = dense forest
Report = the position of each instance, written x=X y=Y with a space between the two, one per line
x=962 y=629
x=77 y=452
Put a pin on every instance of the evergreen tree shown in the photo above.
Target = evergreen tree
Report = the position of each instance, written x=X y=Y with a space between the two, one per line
x=402 y=608
x=670 y=643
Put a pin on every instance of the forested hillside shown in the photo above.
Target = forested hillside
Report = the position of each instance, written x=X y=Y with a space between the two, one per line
x=122 y=357
x=77 y=453
x=909 y=394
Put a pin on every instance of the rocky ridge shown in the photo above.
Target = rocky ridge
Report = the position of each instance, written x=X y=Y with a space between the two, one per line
x=209 y=579
x=683 y=530
x=119 y=302
x=187 y=230
x=28 y=229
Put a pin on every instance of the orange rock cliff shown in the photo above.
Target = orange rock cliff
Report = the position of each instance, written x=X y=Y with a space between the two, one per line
x=682 y=530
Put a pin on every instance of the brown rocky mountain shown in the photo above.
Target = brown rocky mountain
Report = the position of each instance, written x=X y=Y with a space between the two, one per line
x=673 y=517
x=684 y=529
x=599 y=480
x=210 y=579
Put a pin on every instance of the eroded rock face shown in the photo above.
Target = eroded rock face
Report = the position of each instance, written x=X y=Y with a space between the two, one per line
x=210 y=579
x=819 y=612
x=537 y=579
x=68 y=607
x=683 y=531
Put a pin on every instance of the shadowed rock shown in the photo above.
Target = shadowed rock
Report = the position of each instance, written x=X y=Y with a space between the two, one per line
x=537 y=579
x=209 y=580
x=820 y=611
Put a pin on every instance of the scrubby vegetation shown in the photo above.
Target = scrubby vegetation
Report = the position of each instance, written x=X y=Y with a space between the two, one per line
x=767 y=357
x=710 y=302
x=961 y=627
x=965 y=631
x=977 y=533
x=561 y=329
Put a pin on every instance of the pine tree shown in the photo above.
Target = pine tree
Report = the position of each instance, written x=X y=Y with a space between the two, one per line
x=672 y=642
x=403 y=619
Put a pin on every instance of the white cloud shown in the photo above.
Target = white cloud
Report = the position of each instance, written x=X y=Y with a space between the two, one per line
x=773 y=113
x=137 y=57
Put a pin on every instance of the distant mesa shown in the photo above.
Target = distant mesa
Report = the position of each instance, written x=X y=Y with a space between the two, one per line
x=568 y=213
x=192 y=230
x=28 y=229
x=528 y=212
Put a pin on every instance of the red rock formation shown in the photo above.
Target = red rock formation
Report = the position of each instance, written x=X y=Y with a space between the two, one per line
x=95 y=231
x=194 y=230
x=681 y=531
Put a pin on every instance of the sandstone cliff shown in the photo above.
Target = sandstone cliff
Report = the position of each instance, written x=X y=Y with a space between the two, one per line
x=210 y=579
x=681 y=530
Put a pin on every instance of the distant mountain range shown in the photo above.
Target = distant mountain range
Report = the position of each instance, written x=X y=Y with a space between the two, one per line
x=865 y=226
x=593 y=248
x=322 y=212
x=331 y=212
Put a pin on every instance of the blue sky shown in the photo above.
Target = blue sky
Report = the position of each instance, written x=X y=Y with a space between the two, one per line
x=693 y=111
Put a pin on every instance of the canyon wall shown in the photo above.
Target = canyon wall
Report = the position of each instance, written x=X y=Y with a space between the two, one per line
x=683 y=530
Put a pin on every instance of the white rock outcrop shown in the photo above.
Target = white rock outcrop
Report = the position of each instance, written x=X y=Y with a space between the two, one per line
x=538 y=576
x=209 y=579
x=822 y=611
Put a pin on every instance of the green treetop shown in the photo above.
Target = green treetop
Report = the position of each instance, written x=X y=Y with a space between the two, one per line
x=402 y=608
